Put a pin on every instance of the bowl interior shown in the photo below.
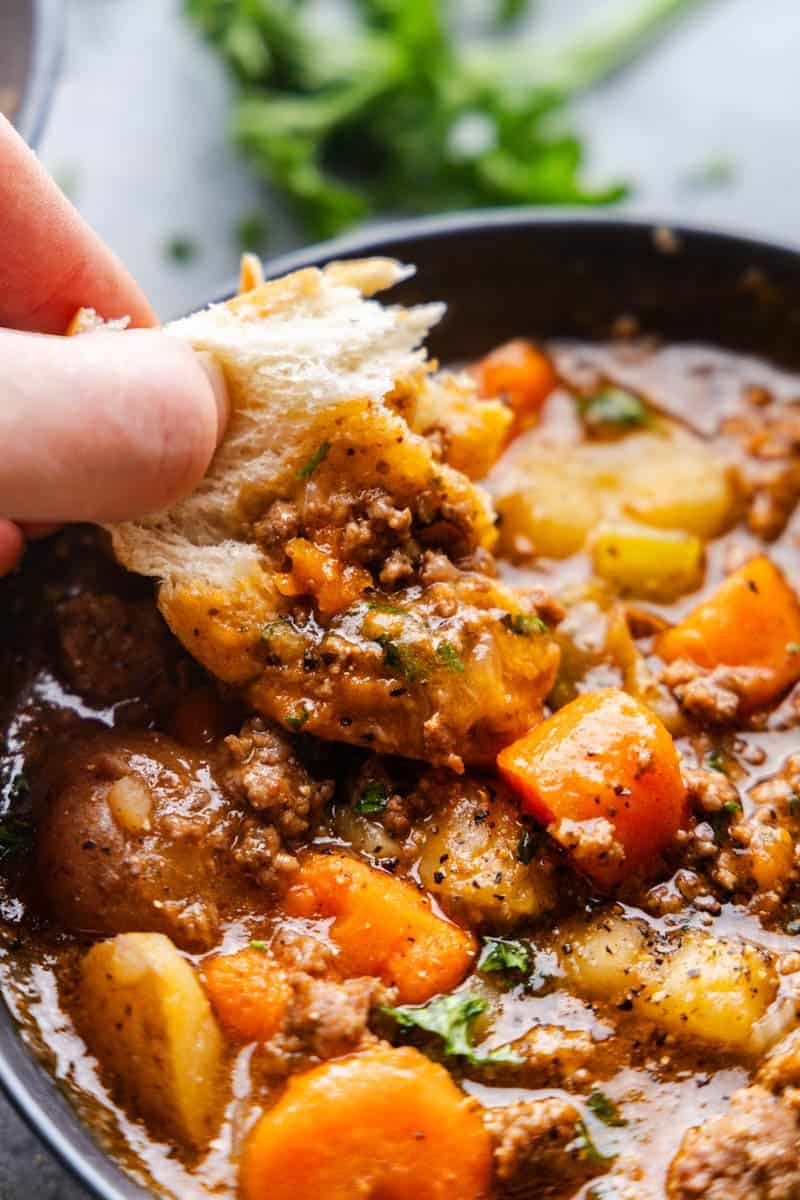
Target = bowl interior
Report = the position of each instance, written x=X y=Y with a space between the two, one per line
x=504 y=275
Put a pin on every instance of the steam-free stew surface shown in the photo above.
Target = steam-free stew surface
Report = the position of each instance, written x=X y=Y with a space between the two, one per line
x=268 y=965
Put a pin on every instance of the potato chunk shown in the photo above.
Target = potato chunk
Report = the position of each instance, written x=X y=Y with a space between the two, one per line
x=470 y=862
x=659 y=564
x=148 y=1021
x=709 y=989
x=696 y=986
x=551 y=496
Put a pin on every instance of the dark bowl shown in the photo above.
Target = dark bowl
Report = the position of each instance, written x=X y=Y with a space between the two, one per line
x=31 y=35
x=504 y=274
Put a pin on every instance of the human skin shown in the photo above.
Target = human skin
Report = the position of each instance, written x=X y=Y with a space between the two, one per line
x=97 y=427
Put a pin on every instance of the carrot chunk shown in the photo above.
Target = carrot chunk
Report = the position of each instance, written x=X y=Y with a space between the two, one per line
x=387 y=1122
x=248 y=992
x=604 y=775
x=519 y=372
x=383 y=926
x=752 y=620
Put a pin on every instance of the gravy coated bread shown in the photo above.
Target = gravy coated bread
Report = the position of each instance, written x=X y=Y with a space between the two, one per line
x=333 y=563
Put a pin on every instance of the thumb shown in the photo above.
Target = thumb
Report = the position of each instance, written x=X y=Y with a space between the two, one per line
x=105 y=426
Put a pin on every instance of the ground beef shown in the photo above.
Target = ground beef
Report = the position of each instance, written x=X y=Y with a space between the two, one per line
x=711 y=696
x=327 y=1018
x=538 y=1149
x=708 y=791
x=551 y=1057
x=113 y=649
x=748 y=1153
x=266 y=776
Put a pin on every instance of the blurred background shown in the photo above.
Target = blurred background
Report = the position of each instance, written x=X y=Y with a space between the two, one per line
x=702 y=124
x=554 y=101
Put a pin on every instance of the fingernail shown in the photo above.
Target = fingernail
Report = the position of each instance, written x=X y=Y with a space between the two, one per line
x=216 y=378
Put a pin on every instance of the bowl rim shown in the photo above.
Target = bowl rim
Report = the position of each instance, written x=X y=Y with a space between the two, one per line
x=70 y=1141
x=367 y=238
x=47 y=43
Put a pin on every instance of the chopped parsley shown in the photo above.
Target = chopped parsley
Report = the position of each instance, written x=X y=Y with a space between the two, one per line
x=585 y=1147
x=297 y=722
x=715 y=762
x=605 y=1109
x=339 y=119
x=319 y=456
x=373 y=799
x=528 y=844
x=256 y=945
x=524 y=624
x=451 y=1018
x=447 y=656
x=507 y=957
x=181 y=250
x=401 y=659
x=251 y=232
x=614 y=408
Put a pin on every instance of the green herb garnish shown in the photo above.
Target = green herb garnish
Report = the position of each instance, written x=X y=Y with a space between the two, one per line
x=447 y=656
x=256 y=945
x=524 y=624
x=181 y=249
x=507 y=957
x=251 y=232
x=317 y=457
x=297 y=722
x=373 y=799
x=341 y=119
x=614 y=407
x=605 y=1109
x=715 y=762
x=714 y=173
x=528 y=844
x=401 y=658
x=451 y=1018
x=585 y=1147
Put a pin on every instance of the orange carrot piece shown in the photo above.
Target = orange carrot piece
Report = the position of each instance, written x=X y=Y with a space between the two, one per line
x=387 y=1122
x=519 y=372
x=602 y=763
x=751 y=620
x=249 y=993
x=335 y=585
x=383 y=926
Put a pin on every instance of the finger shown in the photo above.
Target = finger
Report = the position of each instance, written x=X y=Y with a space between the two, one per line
x=51 y=262
x=12 y=545
x=104 y=426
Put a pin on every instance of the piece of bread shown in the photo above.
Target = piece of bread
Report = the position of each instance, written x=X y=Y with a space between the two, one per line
x=321 y=503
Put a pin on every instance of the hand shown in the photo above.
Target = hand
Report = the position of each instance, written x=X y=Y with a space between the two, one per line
x=99 y=427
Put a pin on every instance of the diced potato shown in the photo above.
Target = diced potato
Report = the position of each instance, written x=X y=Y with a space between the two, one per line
x=551 y=496
x=677 y=483
x=706 y=988
x=659 y=564
x=602 y=958
x=550 y=516
x=709 y=989
x=363 y=835
x=470 y=863
x=148 y=1021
